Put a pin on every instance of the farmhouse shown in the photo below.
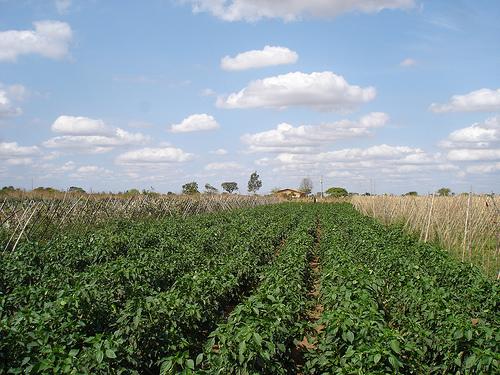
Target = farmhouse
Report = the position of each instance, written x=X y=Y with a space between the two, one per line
x=290 y=193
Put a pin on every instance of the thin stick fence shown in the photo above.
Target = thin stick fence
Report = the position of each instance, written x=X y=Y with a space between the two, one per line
x=467 y=225
x=39 y=218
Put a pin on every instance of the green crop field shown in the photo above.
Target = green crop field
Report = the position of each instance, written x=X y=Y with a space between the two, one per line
x=291 y=288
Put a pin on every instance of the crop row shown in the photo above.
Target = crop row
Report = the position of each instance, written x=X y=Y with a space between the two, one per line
x=258 y=335
x=393 y=304
x=151 y=293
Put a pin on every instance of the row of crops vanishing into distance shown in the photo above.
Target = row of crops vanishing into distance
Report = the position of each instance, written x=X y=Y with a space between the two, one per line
x=274 y=289
x=468 y=226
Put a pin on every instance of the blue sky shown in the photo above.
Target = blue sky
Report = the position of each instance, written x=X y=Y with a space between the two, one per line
x=112 y=95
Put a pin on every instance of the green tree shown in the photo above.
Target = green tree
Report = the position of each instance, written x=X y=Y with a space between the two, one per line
x=209 y=189
x=337 y=192
x=9 y=189
x=76 y=189
x=190 y=188
x=48 y=190
x=254 y=183
x=306 y=185
x=229 y=186
x=444 y=192
x=410 y=194
x=132 y=192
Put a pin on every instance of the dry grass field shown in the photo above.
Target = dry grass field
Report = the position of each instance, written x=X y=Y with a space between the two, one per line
x=467 y=226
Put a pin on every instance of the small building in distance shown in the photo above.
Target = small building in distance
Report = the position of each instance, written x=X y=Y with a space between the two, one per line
x=290 y=193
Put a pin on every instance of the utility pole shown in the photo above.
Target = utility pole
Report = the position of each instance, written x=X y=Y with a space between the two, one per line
x=321 y=182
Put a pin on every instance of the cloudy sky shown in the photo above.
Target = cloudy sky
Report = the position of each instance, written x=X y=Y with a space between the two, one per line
x=373 y=95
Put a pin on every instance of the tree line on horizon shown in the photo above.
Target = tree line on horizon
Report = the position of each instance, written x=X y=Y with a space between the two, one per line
x=228 y=187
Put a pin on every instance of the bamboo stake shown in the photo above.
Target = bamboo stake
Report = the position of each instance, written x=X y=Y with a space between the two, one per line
x=466 y=226
x=429 y=219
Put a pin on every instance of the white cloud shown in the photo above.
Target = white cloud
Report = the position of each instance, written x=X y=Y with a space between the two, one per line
x=269 y=56
x=230 y=165
x=68 y=166
x=483 y=168
x=97 y=143
x=49 y=39
x=86 y=171
x=473 y=155
x=480 y=141
x=62 y=6
x=290 y=10
x=219 y=151
x=11 y=153
x=483 y=100
x=350 y=164
x=408 y=62
x=19 y=161
x=8 y=96
x=163 y=155
x=77 y=125
x=12 y=150
x=324 y=91
x=91 y=169
x=307 y=138
x=84 y=134
x=194 y=123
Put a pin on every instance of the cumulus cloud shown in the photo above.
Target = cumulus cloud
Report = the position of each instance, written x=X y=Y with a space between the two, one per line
x=219 y=152
x=307 y=138
x=483 y=100
x=269 y=56
x=473 y=155
x=483 y=168
x=406 y=63
x=230 y=165
x=480 y=141
x=195 y=123
x=9 y=96
x=85 y=171
x=398 y=162
x=291 y=10
x=78 y=125
x=49 y=39
x=90 y=135
x=12 y=153
x=164 y=155
x=324 y=91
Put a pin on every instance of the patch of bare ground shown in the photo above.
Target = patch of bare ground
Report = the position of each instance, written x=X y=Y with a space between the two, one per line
x=315 y=312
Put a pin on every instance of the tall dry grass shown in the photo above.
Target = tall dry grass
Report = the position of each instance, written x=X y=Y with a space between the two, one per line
x=466 y=225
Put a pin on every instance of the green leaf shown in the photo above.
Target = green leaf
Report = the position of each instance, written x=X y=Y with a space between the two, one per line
x=395 y=346
x=471 y=360
x=190 y=364
x=350 y=336
x=394 y=362
x=199 y=358
x=99 y=355
x=110 y=353
x=377 y=358
x=468 y=334
x=458 y=334
x=257 y=338
x=242 y=347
